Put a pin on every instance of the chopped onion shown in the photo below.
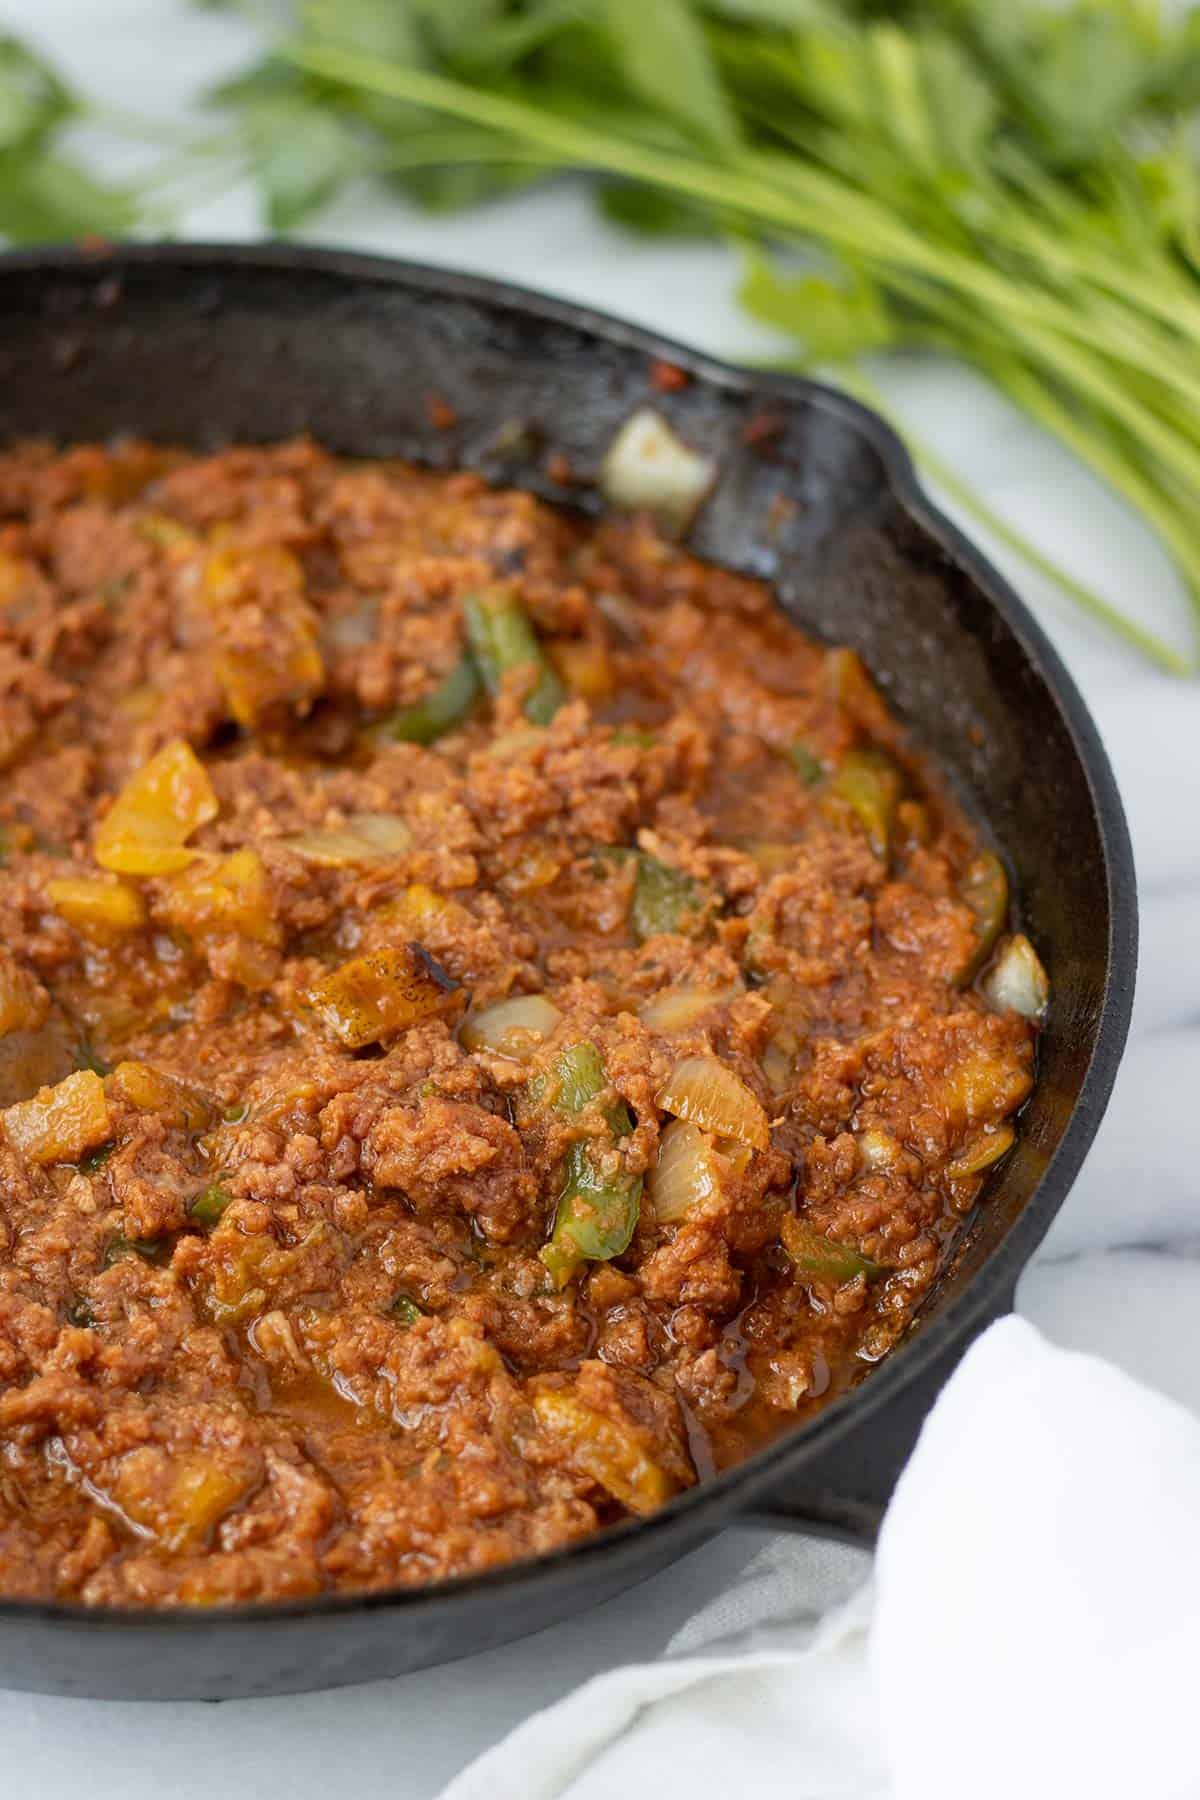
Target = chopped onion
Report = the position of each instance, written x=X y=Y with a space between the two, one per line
x=877 y=1149
x=684 y=1174
x=384 y=831
x=706 y=1092
x=649 y=468
x=511 y=745
x=366 y=837
x=692 y=1165
x=513 y=1028
x=777 y=1067
x=1018 y=982
x=982 y=1153
x=678 y=1009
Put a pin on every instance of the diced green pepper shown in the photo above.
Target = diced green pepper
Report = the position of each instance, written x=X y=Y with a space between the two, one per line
x=664 y=899
x=814 y=1254
x=806 y=764
x=871 y=784
x=573 y=1081
x=405 y=1311
x=208 y=1207
x=79 y=1313
x=501 y=639
x=149 y=1249
x=596 y=1213
x=984 y=887
x=437 y=712
x=632 y=734
x=96 y=1161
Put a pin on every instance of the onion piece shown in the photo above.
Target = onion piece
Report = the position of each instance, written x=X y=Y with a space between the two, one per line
x=389 y=835
x=366 y=837
x=515 y=1028
x=678 y=1009
x=611 y=1453
x=649 y=468
x=684 y=1174
x=1018 y=982
x=692 y=1165
x=979 y=1155
x=777 y=1067
x=876 y=1149
x=706 y=1092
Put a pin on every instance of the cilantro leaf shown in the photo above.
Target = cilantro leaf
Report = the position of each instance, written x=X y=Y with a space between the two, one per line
x=662 y=50
x=48 y=199
x=833 y=320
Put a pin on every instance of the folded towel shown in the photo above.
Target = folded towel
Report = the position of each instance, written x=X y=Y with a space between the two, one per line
x=1032 y=1627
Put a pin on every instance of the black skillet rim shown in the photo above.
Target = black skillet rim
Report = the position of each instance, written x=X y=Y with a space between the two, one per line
x=739 y=1489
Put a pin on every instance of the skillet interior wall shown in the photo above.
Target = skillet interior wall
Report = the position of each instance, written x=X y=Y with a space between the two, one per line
x=176 y=352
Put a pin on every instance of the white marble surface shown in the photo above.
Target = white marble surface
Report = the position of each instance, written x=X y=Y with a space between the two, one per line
x=1131 y=1228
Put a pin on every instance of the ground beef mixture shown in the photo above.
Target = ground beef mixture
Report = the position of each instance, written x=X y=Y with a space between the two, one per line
x=494 y=1024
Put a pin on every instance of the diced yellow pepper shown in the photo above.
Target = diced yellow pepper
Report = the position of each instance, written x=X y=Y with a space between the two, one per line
x=585 y=667
x=420 y=910
x=61 y=1123
x=983 y=1087
x=244 y=1269
x=375 y=996
x=24 y=1003
x=609 y=1453
x=266 y=654
x=147 y=826
x=141 y=1085
x=177 y=1499
x=222 y=896
x=17 y=575
x=161 y=529
x=98 y=908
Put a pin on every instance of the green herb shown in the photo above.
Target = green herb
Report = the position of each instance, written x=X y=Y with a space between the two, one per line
x=79 y=1313
x=96 y=1161
x=405 y=1311
x=44 y=194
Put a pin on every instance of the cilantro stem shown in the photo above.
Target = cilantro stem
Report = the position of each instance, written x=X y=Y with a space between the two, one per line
x=931 y=463
x=1070 y=344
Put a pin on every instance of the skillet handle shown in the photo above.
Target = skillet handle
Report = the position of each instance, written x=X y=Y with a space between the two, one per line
x=844 y=1492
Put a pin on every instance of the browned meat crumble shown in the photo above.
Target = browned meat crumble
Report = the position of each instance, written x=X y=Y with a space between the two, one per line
x=493 y=1024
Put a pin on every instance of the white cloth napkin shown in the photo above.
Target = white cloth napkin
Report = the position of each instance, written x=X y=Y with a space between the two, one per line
x=1032 y=1628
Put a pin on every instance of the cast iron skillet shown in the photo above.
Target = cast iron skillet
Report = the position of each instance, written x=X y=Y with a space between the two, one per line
x=207 y=345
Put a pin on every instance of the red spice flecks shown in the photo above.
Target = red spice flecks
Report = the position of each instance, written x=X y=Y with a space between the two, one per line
x=762 y=429
x=667 y=378
x=440 y=413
